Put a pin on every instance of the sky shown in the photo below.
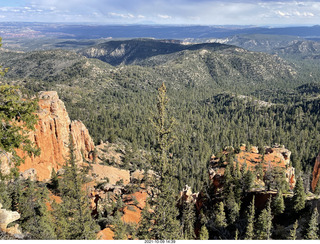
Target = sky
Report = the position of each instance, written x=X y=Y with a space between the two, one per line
x=176 y=12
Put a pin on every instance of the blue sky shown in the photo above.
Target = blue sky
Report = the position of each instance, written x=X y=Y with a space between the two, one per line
x=203 y=12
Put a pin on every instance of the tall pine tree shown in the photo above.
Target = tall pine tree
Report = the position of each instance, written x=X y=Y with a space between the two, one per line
x=313 y=228
x=165 y=225
x=75 y=204
x=299 y=197
x=250 y=218
x=264 y=223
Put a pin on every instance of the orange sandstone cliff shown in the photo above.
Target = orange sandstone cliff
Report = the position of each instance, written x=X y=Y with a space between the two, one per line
x=316 y=173
x=51 y=135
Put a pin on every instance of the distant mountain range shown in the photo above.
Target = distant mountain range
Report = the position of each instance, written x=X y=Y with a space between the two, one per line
x=78 y=31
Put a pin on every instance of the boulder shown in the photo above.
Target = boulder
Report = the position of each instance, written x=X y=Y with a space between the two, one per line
x=105 y=234
x=7 y=217
x=29 y=173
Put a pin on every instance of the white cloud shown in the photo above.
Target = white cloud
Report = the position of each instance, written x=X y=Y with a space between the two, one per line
x=164 y=16
x=126 y=16
x=210 y=12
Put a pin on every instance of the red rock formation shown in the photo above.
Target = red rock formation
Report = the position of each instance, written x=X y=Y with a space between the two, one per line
x=315 y=173
x=132 y=214
x=105 y=234
x=51 y=135
x=275 y=157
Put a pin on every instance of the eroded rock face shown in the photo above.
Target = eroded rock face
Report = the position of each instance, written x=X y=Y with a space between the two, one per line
x=316 y=173
x=51 y=135
x=5 y=162
x=7 y=217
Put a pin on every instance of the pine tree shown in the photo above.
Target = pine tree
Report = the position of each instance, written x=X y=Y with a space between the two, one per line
x=15 y=111
x=250 y=218
x=54 y=182
x=60 y=221
x=35 y=218
x=188 y=220
x=75 y=203
x=299 y=198
x=293 y=232
x=220 y=216
x=313 y=228
x=119 y=228
x=233 y=207
x=166 y=225
x=248 y=181
x=5 y=198
x=264 y=223
x=204 y=234
x=278 y=203
x=145 y=223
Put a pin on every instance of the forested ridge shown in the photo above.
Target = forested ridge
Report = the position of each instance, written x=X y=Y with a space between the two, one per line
x=219 y=98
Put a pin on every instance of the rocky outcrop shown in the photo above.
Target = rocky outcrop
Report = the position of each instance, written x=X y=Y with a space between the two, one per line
x=276 y=157
x=135 y=203
x=105 y=234
x=7 y=217
x=52 y=134
x=5 y=162
x=187 y=196
x=316 y=173
x=114 y=175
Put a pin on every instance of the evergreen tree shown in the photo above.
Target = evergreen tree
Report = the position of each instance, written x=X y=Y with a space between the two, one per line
x=251 y=219
x=35 y=218
x=15 y=111
x=120 y=232
x=54 y=182
x=204 y=234
x=60 y=221
x=313 y=228
x=166 y=225
x=75 y=203
x=145 y=223
x=293 y=232
x=233 y=207
x=278 y=203
x=264 y=223
x=299 y=198
x=5 y=198
x=220 y=220
x=188 y=221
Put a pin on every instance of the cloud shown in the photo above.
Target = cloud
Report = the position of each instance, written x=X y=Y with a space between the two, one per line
x=126 y=16
x=164 y=16
x=209 y=12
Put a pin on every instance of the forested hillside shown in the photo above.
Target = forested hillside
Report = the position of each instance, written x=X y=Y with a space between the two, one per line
x=221 y=96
